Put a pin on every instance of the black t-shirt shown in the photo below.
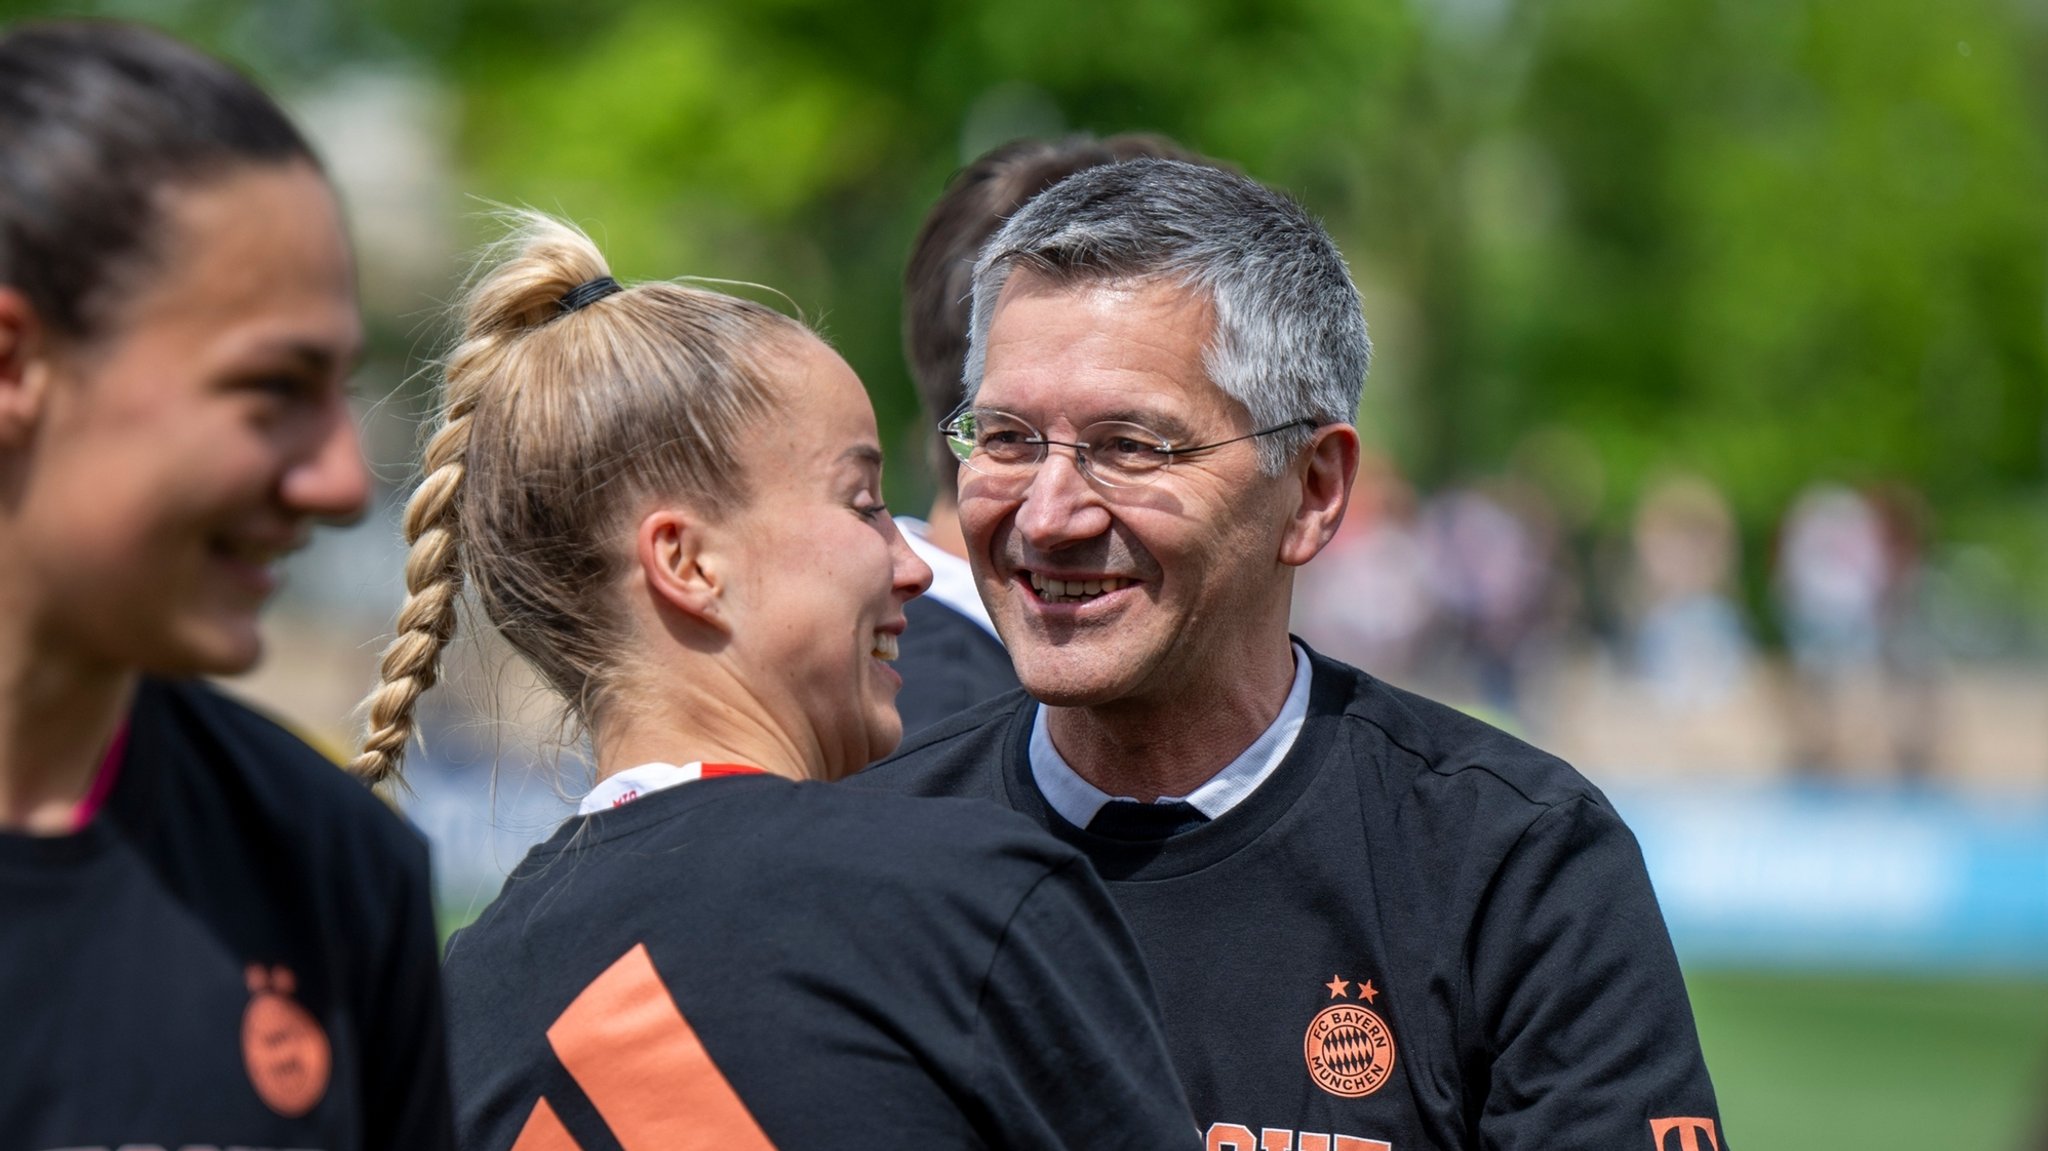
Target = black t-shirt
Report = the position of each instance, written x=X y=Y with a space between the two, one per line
x=239 y=950
x=948 y=664
x=1419 y=932
x=747 y=963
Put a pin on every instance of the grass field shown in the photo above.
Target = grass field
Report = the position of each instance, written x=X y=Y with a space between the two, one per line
x=1813 y=1062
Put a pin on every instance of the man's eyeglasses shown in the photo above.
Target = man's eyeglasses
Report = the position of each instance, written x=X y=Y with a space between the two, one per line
x=1111 y=452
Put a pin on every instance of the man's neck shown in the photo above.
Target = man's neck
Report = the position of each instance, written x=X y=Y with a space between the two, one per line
x=1149 y=748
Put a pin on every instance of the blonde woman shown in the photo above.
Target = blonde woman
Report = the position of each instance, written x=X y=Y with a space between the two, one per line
x=669 y=501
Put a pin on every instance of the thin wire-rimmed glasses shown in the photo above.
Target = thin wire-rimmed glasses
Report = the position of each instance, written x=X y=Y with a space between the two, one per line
x=1115 y=453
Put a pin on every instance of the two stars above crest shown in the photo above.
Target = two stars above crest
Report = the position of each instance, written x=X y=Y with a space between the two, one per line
x=1338 y=986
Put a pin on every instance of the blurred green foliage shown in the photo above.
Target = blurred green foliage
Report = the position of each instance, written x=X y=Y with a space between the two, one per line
x=1766 y=241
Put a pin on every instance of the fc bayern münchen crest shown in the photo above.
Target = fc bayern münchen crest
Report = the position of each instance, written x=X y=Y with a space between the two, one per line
x=1349 y=1049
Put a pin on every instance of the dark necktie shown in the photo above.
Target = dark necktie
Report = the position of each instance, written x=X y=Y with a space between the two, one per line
x=1131 y=820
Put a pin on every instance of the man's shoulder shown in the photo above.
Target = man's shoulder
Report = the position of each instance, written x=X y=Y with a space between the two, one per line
x=948 y=663
x=1425 y=747
x=960 y=755
x=942 y=643
x=932 y=620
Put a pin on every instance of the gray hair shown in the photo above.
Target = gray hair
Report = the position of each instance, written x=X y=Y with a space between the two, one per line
x=1290 y=340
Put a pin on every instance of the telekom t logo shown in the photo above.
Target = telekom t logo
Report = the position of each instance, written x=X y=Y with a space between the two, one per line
x=1688 y=1133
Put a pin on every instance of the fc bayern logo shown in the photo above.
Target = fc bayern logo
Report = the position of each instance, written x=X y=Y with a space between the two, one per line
x=1350 y=1051
x=285 y=1049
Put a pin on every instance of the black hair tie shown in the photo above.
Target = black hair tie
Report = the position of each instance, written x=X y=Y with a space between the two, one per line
x=589 y=292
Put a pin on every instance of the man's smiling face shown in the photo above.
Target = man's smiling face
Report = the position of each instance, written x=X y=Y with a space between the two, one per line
x=1187 y=564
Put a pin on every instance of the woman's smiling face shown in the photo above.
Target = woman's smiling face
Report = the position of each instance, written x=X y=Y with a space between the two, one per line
x=819 y=605
x=181 y=454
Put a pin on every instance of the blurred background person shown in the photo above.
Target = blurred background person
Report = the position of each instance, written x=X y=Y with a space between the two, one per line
x=1369 y=598
x=669 y=501
x=951 y=656
x=1690 y=641
x=1849 y=585
x=1491 y=552
x=1911 y=656
x=1831 y=584
x=212 y=936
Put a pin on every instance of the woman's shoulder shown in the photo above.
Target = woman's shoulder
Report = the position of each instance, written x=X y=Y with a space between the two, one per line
x=936 y=829
x=825 y=837
x=193 y=741
x=827 y=863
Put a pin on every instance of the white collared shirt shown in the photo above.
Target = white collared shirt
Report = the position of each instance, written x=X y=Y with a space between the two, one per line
x=1077 y=800
x=952 y=577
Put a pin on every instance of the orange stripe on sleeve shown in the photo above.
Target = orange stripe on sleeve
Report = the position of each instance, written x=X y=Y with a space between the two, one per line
x=544 y=1132
x=628 y=1046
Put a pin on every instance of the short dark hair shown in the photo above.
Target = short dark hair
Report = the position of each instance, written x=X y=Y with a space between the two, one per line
x=938 y=281
x=97 y=119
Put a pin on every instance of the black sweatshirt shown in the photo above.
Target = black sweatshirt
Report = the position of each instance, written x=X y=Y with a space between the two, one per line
x=238 y=951
x=1419 y=932
x=948 y=664
x=747 y=963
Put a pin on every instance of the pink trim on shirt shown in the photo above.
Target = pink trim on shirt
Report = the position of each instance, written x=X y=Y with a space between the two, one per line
x=102 y=779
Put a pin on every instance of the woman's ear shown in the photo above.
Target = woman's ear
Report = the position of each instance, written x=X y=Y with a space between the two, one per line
x=24 y=373
x=672 y=546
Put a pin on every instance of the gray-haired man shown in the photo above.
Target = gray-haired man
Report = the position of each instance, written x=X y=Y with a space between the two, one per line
x=1373 y=922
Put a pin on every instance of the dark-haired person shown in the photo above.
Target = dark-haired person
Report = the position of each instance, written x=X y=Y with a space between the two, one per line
x=209 y=935
x=668 y=500
x=1374 y=922
x=952 y=657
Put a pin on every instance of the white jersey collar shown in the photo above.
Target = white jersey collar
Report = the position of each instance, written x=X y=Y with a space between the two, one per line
x=622 y=788
x=1077 y=800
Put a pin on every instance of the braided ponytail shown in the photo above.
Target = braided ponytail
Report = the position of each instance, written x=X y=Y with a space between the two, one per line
x=433 y=584
x=565 y=403
x=506 y=299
